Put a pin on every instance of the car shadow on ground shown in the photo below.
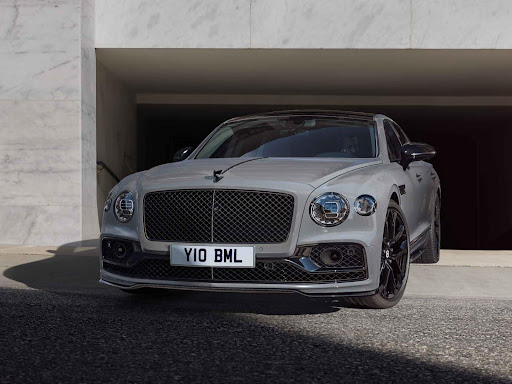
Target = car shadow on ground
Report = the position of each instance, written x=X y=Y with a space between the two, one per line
x=82 y=339
x=72 y=270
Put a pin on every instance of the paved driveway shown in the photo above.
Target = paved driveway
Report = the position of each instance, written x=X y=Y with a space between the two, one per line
x=59 y=325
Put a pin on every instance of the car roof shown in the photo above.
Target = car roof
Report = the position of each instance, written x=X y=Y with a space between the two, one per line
x=362 y=117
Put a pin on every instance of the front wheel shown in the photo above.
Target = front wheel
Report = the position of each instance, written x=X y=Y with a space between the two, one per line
x=394 y=263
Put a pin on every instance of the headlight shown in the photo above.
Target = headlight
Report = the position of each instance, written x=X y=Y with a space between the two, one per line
x=124 y=206
x=329 y=209
x=365 y=205
x=108 y=202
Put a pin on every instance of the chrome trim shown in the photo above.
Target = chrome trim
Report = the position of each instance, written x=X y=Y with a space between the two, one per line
x=212 y=214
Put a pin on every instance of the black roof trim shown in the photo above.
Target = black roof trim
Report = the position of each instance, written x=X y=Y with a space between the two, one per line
x=346 y=115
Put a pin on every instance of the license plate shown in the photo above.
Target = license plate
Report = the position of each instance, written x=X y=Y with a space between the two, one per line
x=212 y=256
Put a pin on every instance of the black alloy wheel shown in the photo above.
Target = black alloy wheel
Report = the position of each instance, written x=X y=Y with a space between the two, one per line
x=394 y=263
x=395 y=255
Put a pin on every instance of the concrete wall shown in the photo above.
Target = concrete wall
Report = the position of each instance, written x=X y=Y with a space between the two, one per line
x=440 y=24
x=47 y=80
x=47 y=145
x=89 y=220
x=116 y=131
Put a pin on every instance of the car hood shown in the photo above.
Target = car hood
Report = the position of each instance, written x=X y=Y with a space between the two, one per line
x=251 y=171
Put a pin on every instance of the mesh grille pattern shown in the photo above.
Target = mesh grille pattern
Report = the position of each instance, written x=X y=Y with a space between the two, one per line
x=160 y=269
x=178 y=215
x=280 y=272
x=251 y=217
x=352 y=255
x=238 y=216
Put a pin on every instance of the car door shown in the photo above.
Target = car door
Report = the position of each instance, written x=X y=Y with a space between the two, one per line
x=425 y=177
x=410 y=182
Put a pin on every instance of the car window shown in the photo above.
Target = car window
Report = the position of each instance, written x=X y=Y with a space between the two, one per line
x=394 y=146
x=292 y=136
x=401 y=135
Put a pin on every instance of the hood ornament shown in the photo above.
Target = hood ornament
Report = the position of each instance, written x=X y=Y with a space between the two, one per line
x=217 y=175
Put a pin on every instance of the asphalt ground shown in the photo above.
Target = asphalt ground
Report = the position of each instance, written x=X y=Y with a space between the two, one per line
x=64 y=327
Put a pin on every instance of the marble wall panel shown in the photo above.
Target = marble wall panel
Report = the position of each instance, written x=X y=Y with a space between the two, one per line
x=330 y=24
x=173 y=24
x=40 y=152
x=39 y=50
x=461 y=24
x=90 y=223
x=40 y=225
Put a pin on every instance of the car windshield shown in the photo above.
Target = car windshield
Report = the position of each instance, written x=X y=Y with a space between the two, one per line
x=296 y=136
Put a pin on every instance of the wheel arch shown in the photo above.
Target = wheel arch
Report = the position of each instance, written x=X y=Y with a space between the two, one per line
x=394 y=194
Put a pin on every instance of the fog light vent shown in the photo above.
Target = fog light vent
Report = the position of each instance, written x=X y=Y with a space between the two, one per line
x=331 y=257
x=117 y=250
x=338 y=255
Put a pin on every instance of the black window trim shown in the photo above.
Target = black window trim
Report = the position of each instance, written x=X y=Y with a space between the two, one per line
x=392 y=124
x=396 y=127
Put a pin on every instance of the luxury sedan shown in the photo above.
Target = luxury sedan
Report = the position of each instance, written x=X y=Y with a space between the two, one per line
x=323 y=203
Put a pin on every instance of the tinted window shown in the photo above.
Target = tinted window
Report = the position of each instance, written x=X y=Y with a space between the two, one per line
x=401 y=135
x=394 y=146
x=296 y=136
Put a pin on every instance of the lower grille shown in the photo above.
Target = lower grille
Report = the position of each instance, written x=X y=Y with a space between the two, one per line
x=280 y=272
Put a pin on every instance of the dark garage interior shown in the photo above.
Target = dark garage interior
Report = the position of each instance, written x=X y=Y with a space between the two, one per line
x=471 y=144
x=456 y=100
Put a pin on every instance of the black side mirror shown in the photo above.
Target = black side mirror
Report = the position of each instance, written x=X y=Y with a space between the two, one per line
x=416 y=152
x=182 y=154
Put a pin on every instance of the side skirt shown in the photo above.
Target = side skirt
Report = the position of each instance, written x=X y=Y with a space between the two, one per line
x=418 y=245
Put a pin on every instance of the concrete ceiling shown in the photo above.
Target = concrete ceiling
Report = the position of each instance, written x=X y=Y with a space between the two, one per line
x=313 y=72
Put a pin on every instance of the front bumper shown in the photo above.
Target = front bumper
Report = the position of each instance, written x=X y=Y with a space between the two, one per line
x=332 y=283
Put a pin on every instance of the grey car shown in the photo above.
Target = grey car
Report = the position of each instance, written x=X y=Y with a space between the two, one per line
x=323 y=203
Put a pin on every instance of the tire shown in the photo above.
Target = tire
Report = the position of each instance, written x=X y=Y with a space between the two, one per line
x=382 y=298
x=433 y=245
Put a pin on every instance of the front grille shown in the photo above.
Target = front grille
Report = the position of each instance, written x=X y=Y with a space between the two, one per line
x=218 y=216
x=178 y=215
x=265 y=272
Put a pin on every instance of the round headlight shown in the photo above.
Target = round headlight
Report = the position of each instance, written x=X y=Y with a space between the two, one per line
x=108 y=202
x=365 y=205
x=329 y=209
x=124 y=206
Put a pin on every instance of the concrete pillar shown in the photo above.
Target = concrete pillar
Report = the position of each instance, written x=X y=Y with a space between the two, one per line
x=47 y=122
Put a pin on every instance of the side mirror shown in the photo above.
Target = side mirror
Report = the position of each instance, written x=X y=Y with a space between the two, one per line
x=416 y=152
x=182 y=154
